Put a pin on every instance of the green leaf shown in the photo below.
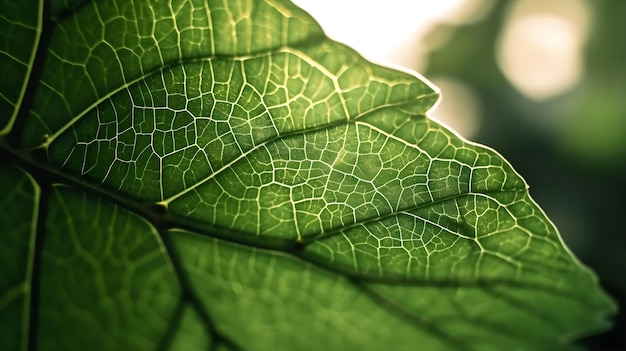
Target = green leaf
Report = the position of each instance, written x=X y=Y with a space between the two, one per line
x=20 y=205
x=220 y=175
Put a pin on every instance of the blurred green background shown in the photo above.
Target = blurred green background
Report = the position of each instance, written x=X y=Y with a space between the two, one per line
x=542 y=82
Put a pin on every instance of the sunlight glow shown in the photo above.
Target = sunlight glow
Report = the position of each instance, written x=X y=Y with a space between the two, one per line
x=389 y=32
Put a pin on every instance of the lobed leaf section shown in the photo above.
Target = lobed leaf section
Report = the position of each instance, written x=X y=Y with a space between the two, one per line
x=219 y=175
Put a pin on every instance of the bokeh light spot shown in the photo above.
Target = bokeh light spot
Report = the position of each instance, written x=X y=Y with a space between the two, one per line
x=540 y=50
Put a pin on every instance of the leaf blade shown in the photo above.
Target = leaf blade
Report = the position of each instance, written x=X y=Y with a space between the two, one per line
x=19 y=39
x=262 y=301
x=104 y=277
x=20 y=206
x=237 y=128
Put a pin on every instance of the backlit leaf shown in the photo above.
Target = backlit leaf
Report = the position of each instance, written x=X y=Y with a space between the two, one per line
x=220 y=175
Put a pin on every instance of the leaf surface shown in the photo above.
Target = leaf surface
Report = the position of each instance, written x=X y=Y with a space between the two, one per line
x=220 y=175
